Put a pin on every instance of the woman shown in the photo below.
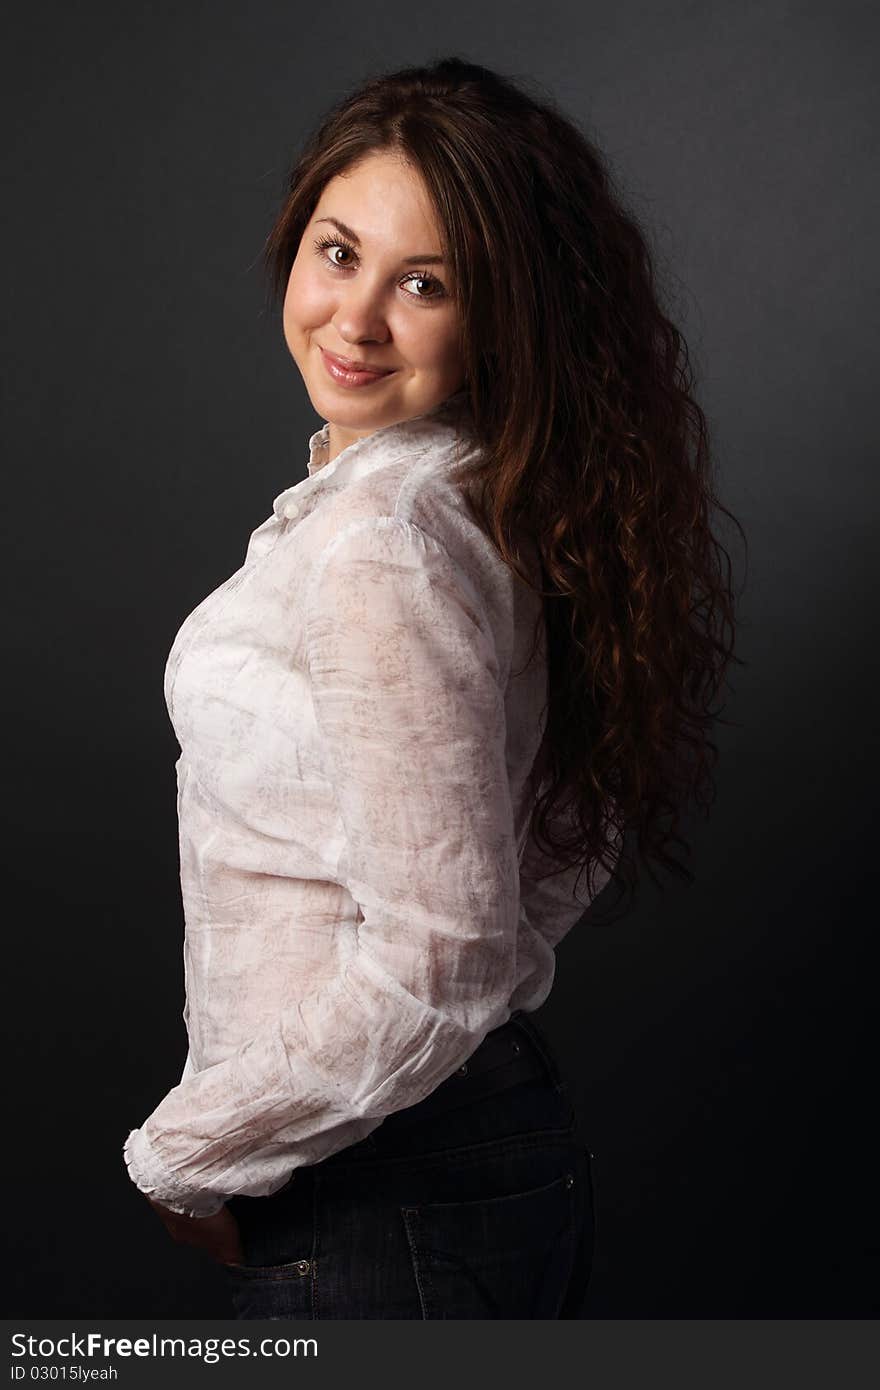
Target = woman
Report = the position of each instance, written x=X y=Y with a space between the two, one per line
x=461 y=658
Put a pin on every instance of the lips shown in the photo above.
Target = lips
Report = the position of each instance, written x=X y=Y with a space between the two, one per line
x=351 y=377
x=349 y=364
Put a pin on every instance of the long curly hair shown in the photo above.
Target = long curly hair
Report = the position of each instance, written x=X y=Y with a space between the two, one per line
x=594 y=453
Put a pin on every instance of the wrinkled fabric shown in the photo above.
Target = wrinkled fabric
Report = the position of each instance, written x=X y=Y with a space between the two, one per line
x=358 y=708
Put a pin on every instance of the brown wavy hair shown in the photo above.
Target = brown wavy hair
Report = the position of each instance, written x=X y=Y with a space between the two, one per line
x=594 y=453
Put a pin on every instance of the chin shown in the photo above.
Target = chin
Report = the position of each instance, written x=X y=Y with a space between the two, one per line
x=336 y=405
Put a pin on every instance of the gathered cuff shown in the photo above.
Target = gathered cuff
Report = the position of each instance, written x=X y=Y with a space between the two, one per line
x=155 y=1181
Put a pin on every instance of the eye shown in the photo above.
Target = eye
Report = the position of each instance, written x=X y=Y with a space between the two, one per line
x=425 y=278
x=325 y=243
x=422 y=277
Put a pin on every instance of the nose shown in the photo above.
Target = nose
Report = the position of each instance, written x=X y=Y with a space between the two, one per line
x=360 y=315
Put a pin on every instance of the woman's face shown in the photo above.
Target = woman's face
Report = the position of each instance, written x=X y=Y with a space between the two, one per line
x=376 y=294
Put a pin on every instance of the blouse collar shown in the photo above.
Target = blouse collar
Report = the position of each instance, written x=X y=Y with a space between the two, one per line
x=417 y=433
x=414 y=436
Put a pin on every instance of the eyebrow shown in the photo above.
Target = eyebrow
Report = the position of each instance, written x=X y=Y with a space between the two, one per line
x=353 y=236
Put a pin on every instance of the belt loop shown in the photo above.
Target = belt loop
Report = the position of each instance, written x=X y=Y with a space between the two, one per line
x=526 y=1024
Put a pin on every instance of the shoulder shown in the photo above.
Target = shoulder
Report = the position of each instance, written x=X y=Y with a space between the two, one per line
x=390 y=572
x=412 y=515
x=384 y=549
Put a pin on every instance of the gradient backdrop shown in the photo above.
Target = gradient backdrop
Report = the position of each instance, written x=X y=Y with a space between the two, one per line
x=721 y=1041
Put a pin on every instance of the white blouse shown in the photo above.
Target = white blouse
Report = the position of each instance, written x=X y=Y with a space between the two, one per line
x=357 y=714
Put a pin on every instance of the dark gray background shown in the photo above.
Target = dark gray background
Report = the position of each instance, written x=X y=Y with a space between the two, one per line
x=720 y=1041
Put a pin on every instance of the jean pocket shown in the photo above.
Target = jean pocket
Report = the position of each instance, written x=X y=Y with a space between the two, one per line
x=496 y=1257
x=271 y=1291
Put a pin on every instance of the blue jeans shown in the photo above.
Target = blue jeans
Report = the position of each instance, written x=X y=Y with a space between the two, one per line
x=475 y=1203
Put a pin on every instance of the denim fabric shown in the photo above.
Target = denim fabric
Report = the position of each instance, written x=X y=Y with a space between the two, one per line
x=475 y=1203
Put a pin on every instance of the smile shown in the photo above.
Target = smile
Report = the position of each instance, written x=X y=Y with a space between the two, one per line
x=351 y=376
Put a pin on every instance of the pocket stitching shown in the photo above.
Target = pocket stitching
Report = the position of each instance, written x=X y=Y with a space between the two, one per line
x=421 y=1275
x=547 y=1187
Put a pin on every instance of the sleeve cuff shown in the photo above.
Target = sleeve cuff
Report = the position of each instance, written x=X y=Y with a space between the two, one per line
x=155 y=1181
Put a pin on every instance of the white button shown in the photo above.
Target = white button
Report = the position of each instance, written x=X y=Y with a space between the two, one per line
x=290 y=509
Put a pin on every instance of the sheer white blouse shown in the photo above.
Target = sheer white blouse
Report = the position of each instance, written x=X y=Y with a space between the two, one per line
x=358 y=708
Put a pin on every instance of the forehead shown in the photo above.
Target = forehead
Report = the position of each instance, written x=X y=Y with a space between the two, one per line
x=382 y=198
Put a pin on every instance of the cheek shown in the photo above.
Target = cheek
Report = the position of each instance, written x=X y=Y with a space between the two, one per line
x=307 y=303
x=432 y=346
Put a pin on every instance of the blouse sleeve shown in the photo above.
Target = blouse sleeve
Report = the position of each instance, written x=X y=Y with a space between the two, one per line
x=553 y=900
x=409 y=704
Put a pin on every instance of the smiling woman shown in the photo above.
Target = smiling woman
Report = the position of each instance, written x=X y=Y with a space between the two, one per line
x=375 y=340
x=462 y=657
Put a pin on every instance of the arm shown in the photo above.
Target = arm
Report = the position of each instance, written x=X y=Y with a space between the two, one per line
x=409 y=704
